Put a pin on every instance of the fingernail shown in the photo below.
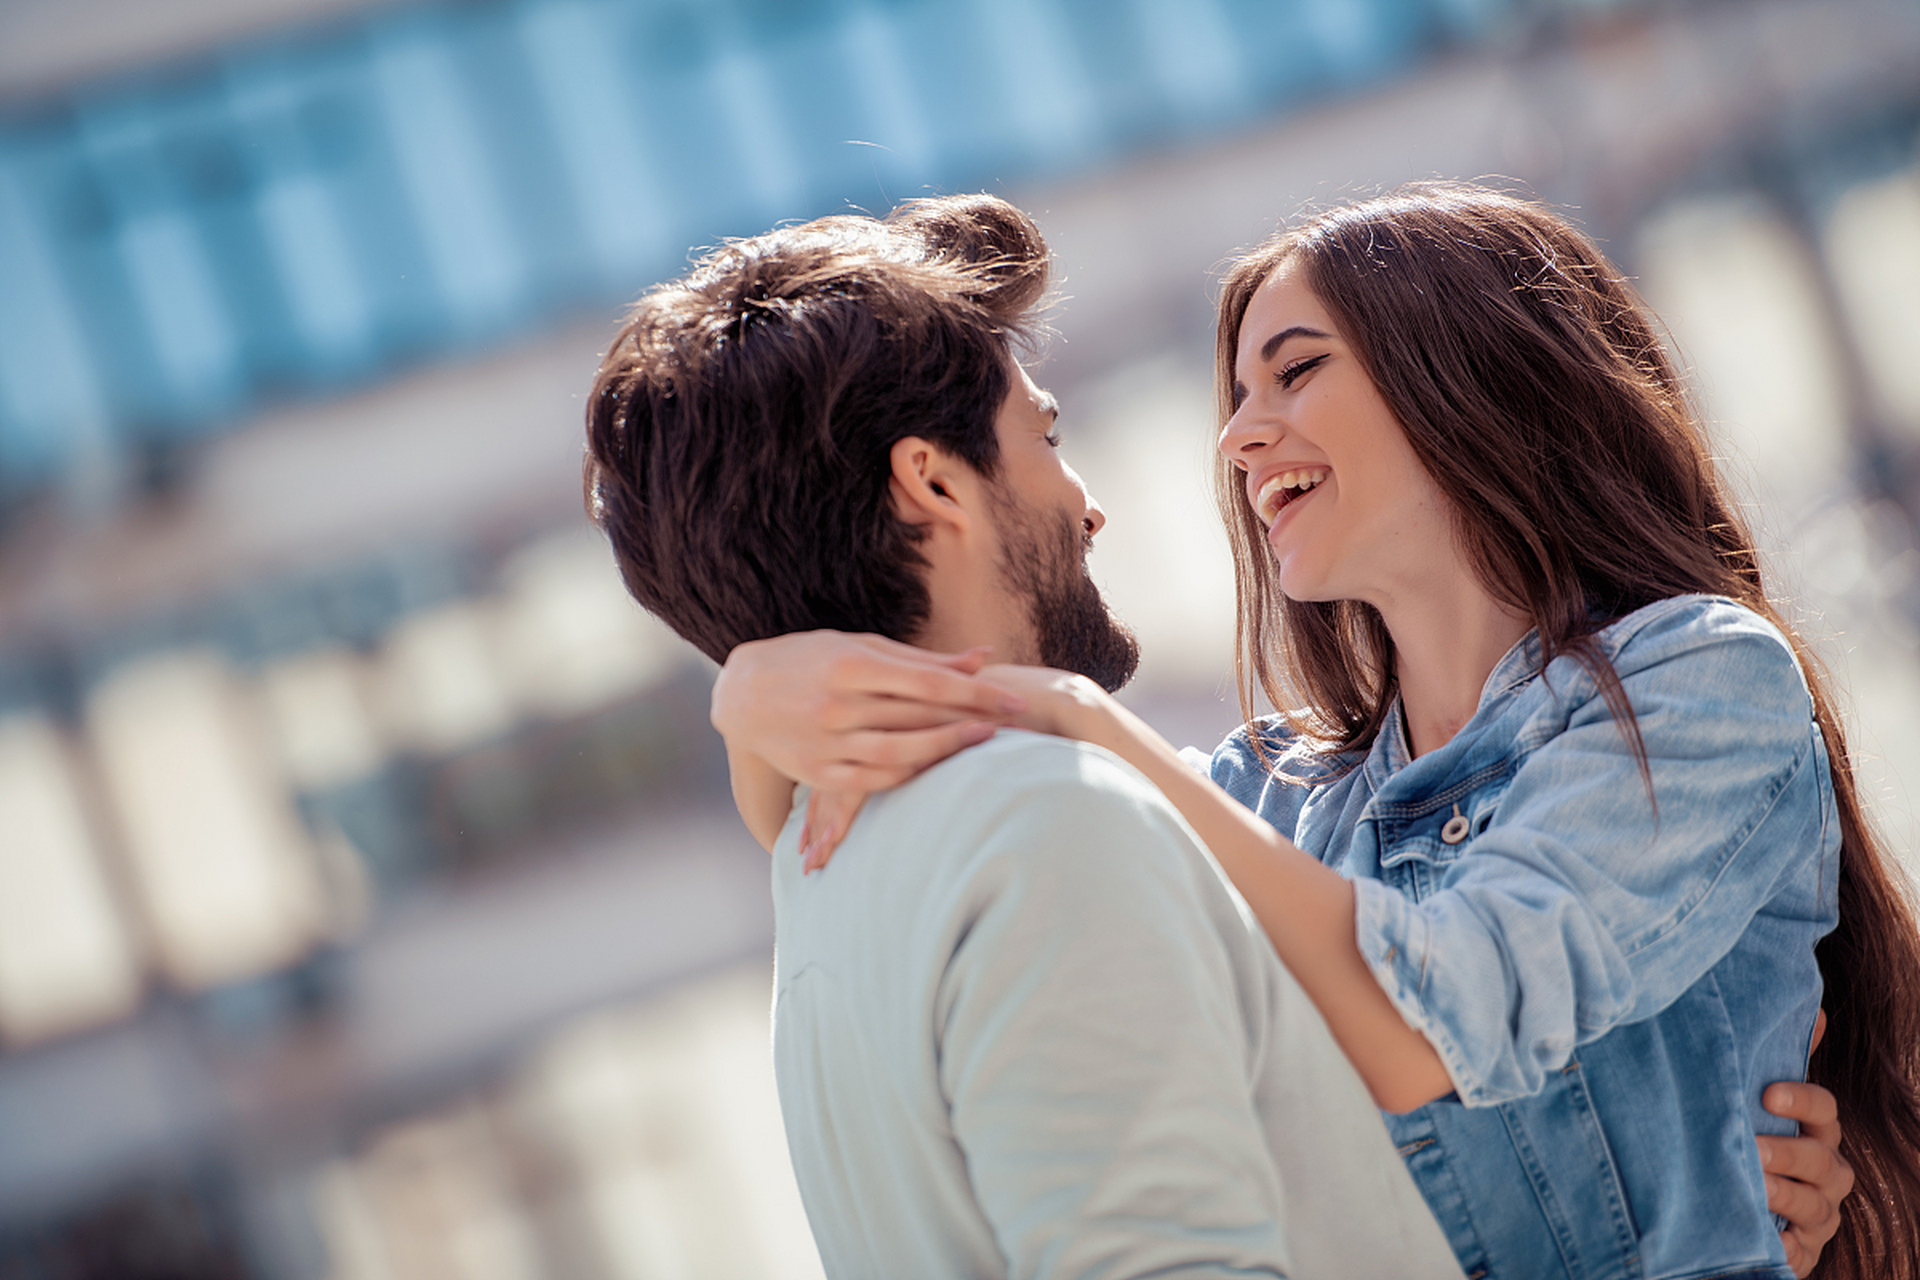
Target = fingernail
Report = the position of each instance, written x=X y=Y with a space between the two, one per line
x=974 y=734
x=807 y=851
x=1786 y=1097
x=1766 y=1154
x=1013 y=704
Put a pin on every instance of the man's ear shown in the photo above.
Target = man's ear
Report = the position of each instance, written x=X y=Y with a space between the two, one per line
x=929 y=486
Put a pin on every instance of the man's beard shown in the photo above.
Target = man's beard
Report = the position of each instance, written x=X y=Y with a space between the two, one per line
x=1046 y=565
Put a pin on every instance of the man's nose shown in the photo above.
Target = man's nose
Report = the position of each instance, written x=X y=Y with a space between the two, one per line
x=1095 y=519
x=1092 y=518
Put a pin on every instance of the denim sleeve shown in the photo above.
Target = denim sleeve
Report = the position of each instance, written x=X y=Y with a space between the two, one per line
x=1097 y=1045
x=1580 y=908
x=1249 y=776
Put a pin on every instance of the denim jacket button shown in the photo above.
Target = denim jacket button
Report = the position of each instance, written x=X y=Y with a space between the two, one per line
x=1455 y=829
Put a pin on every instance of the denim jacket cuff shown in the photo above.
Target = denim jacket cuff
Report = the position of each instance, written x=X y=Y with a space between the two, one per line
x=1394 y=941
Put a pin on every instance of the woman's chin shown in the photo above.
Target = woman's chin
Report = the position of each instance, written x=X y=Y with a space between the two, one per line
x=1305 y=593
x=1298 y=581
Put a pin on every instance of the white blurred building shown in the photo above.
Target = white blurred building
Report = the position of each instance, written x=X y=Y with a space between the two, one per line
x=370 y=905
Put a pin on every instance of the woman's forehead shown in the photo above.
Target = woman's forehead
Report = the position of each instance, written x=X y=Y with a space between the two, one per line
x=1283 y=304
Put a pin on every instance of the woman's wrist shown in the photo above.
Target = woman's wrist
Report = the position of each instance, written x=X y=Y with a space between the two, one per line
x=1092 y=715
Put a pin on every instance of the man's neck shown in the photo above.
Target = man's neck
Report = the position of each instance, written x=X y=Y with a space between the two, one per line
x=959 y=635
x=969 y=606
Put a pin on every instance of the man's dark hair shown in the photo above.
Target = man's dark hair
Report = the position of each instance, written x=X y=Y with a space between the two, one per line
x=741 y=426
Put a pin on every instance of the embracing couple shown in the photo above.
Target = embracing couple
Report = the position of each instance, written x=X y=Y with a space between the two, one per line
x=1502 y=955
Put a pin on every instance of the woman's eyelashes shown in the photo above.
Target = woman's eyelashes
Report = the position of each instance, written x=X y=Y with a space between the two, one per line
x=1291 y=373
x=1053 y=437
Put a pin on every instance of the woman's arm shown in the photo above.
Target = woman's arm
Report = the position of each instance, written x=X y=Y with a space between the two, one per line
x=761 y=793
x=1306 y=908
x=850 y=713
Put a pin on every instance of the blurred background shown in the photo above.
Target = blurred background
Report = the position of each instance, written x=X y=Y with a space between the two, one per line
x=370 y=903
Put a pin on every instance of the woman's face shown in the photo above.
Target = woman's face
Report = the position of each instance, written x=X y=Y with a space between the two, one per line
x=1350 y=512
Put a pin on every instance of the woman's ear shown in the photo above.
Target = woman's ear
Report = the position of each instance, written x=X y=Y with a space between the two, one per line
x=929 y=486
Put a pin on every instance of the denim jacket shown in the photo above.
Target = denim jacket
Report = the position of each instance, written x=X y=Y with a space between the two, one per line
x=1610 y=982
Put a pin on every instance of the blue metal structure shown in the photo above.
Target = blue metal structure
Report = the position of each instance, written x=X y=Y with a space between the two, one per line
x=302 y=213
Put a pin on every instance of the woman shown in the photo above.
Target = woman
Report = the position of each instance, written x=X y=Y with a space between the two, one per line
x=1567 y=810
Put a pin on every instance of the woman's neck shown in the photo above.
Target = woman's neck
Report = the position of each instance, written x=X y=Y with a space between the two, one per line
x=1445 y=646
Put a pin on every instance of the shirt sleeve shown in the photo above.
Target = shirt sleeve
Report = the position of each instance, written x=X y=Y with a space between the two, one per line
x=1582 y=907
x=1097 y=1048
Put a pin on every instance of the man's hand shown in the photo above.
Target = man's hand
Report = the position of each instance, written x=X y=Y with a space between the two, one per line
x=1807 y=1177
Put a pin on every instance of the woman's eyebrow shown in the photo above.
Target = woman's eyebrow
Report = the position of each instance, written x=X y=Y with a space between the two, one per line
x=1274 y=343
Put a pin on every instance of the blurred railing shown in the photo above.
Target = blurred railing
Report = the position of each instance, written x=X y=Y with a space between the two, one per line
x=235 y=785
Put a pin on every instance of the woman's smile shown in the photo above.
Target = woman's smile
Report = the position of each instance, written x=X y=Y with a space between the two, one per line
x=1283 y=488
x=1310 y=429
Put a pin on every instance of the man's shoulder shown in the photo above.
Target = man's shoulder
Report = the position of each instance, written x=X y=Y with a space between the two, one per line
x=1029 y=794
x=1014 y=760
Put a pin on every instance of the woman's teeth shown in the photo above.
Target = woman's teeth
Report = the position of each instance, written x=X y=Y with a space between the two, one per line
x=1279 y=490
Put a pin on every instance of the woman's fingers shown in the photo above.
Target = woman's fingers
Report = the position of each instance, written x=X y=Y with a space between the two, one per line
x=849 y=717
x=869 y=674
x=967 y=660
x=914 y=749
x=809 y=702
x=881 y=761
x=1812 y=1220
x=830 y=816
x=1807 y=1211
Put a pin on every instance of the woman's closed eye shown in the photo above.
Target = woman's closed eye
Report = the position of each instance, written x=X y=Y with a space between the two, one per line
x=1291 y=372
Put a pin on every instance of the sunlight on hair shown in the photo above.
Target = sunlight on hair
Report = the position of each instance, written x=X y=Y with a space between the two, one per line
x=1736 y=287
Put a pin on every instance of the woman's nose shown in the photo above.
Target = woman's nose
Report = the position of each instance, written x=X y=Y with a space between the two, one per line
x=1244 y=436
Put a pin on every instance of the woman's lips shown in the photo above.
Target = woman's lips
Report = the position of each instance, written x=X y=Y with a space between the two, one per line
x=1283 y=487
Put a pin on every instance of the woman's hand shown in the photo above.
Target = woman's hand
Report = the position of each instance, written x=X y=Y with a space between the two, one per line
x=1807 y=1177
x=1050 y=701
x=843 y=713
x=854 y=712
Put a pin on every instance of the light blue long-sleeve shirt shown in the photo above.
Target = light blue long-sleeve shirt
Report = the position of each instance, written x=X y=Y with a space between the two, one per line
x=1022 y=1027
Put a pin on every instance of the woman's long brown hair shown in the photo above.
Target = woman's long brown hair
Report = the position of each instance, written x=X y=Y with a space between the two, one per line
x=1533 y=386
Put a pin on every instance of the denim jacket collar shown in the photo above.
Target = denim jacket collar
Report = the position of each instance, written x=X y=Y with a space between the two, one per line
x=1389 y=754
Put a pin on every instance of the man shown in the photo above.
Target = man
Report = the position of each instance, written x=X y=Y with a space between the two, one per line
x=1022 y=1027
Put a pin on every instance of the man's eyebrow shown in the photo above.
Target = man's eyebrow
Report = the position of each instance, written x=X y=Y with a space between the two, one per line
x=1274 y=343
